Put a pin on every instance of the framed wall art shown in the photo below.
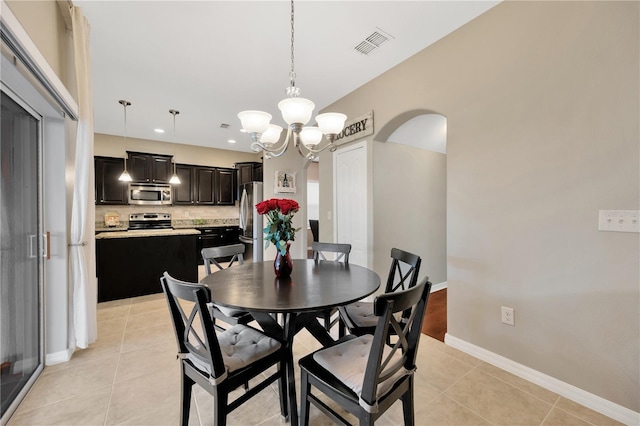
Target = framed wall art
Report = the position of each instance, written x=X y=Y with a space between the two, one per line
x=285 y=182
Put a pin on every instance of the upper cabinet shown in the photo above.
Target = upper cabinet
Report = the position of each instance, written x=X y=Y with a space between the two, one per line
x=225 y=187
x=109 y=190
x=201 y=185
x=183 y=193
x=249 y=172
x=152 y=168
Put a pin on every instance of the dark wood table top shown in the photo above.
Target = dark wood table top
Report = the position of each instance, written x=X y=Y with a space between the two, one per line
x=312 y=286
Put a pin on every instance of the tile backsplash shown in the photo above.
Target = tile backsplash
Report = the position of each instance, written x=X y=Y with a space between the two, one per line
x=179 y=214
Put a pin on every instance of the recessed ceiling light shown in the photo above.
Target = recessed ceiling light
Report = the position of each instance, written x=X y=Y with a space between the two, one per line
x=243 y=130
x=158 y=130
x=231 y=141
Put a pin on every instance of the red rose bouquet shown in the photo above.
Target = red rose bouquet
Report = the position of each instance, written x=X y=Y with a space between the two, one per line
x=279 y=213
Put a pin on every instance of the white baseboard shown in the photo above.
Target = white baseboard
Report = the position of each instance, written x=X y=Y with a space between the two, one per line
x=58 y=357
x=589 y=400
x=438 y=287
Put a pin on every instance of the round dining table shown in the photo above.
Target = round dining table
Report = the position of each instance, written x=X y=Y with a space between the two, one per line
x=313 y=286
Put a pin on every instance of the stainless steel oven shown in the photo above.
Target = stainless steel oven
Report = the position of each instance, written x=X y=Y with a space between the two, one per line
x=149 y=194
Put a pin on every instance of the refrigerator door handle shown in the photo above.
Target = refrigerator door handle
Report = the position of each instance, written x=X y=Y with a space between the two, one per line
x=243 y=204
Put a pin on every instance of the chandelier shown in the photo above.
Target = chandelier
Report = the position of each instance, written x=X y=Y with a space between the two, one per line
x=296 y=111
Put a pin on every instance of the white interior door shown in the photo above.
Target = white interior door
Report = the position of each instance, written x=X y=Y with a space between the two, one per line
x=351 y=201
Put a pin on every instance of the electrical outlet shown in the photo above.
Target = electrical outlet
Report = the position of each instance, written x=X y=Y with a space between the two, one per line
x=507 y=316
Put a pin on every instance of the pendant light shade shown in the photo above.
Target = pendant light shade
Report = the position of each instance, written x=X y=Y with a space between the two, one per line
x=254 y=121
x=331 y=122
x=296 y=110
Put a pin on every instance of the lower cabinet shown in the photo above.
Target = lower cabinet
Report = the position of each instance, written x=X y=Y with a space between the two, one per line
x=215 y=237
x=130 y=267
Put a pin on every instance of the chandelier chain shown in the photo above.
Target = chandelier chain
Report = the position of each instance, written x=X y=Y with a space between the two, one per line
x=292 y=74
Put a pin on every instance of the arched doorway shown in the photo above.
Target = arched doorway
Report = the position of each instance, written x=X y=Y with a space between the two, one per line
x=426 y=130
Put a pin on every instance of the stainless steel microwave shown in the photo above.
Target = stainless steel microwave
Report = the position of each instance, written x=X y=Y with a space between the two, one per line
x=149 y=194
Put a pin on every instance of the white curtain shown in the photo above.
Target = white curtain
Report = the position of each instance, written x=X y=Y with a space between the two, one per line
x=83 y=283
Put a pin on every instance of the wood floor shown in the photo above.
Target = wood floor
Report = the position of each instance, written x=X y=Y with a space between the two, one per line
x=435 y=319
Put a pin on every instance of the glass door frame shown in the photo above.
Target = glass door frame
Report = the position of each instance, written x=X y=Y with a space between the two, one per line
x=40 y=253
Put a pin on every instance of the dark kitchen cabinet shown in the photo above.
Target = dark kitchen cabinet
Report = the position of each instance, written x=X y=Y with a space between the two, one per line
x=249 y=172
x=130 y=267
x=200 y=185
x=109 y=190
x=225 y=187
x=205 y=184
x=215 y=237
x=152 y=168
x=184 y=192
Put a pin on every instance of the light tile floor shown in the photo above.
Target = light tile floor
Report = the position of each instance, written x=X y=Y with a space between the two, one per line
x=130 y=376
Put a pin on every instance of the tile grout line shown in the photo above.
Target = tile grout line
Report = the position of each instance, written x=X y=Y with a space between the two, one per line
x=475 y=367
x=113 y=383
x=550 y=410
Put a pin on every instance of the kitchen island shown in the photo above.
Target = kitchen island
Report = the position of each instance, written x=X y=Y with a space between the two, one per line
x=130 y=263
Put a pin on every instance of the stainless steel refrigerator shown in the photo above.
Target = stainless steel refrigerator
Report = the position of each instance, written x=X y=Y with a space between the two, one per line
x=250 y=221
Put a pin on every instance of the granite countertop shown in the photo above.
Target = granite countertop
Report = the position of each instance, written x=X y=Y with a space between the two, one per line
x=203 y=223
x=176 y=223
x=146 y=233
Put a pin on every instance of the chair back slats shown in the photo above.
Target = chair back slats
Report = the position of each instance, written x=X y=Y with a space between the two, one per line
x=385 y=360
x=211 y=255
x=404 y=270
x=194 y=331
x=340 y=251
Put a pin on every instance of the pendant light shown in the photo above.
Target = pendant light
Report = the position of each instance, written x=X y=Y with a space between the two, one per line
x=175 y=180
x=125 y=176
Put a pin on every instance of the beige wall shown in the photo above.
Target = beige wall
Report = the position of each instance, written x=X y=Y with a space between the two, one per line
x=43 y=22
x=409 y=205
x=290 y=161
x=114 y=146
x=541 y=100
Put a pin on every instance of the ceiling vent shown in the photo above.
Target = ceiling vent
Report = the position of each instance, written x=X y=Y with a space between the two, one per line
x=373 y=41
x=224 y=126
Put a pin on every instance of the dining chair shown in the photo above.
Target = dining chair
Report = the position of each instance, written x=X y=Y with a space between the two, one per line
x=220 y=362
x=376 y=374
x=337 y=252
x=358 y=317
x=212 y=257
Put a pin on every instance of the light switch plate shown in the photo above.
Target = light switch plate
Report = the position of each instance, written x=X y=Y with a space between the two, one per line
x=619 y=220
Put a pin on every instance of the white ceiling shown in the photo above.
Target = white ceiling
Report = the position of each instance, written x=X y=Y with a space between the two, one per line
x=212 y=59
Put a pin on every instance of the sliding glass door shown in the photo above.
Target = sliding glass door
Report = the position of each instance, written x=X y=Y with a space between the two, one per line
x=21 y=259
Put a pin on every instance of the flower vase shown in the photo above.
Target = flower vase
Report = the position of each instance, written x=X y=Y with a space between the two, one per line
x=283 y=265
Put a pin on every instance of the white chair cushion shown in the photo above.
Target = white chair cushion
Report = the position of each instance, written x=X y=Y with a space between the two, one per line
x=361 y=313
x=230 y=312
x=348 y=360
x=240 y=346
